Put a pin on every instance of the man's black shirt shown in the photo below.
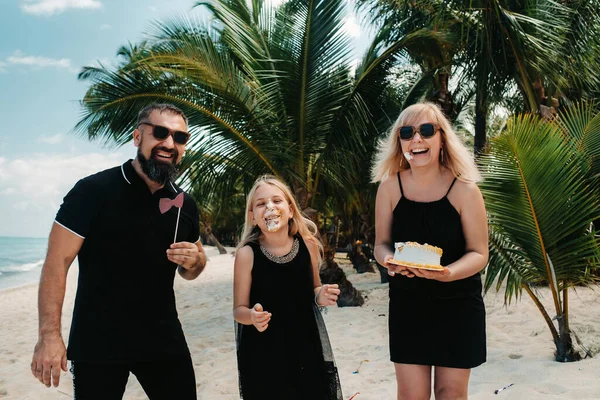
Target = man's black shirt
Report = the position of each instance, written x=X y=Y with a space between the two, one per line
x=125 y=305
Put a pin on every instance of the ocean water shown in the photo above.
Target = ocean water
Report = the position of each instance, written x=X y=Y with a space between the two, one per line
x=21 y=260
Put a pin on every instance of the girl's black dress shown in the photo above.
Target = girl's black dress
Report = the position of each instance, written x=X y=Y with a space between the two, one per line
x=432 y=322
x=292 y=358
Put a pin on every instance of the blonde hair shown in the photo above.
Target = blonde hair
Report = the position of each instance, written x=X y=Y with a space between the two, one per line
x=299 y=223
x=456 y=157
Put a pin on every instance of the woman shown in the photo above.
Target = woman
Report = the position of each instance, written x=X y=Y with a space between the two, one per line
x=428 y=195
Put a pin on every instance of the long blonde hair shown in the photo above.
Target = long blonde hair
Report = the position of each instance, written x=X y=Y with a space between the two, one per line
x=299 y=223
x=456 y=157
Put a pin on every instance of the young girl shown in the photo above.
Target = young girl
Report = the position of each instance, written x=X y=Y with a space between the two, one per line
x=428 y=195
x=282 y=344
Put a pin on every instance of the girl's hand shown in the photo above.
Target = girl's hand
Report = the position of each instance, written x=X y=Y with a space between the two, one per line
x=442 y=275
x=328 y=295
x=394 y=269
x=260 y=319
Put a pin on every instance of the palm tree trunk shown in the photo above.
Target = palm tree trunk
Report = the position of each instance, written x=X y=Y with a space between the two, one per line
x=302 y=195
x=565 y=351
x=443 y=96
x=481 y=110
x=212 y=238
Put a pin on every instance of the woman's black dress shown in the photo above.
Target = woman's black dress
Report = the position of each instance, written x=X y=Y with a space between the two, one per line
x=292 y=358
x=432 y=322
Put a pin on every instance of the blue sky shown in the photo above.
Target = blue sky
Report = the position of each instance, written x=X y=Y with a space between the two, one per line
x=44 y=45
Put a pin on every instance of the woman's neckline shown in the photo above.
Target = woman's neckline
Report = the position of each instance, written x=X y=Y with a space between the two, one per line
x=424 y=202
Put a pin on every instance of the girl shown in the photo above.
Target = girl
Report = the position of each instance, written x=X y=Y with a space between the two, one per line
x=282 y=345
x=428 y=195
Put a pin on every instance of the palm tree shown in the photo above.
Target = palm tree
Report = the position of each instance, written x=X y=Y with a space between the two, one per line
x=501 y=48
x=541 y=200
x=266 y=89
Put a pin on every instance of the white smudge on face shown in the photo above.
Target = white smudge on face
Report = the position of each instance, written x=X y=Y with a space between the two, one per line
x=272 y=218
x=408 y=156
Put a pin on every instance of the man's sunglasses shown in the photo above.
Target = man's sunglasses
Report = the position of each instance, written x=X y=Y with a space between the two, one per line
x=425 y=130
x=162 y=133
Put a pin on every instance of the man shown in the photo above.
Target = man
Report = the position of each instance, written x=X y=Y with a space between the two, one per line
x=124 y=319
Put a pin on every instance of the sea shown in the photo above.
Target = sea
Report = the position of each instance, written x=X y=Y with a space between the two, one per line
x=21 y=260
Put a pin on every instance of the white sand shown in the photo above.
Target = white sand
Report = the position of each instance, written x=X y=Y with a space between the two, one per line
x=520 y=346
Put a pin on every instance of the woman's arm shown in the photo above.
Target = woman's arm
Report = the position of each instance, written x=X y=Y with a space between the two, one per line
x=384 y=209
x=383 y=226
x=475 y=229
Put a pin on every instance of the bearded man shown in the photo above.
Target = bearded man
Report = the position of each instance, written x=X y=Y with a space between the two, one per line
x=130 y=232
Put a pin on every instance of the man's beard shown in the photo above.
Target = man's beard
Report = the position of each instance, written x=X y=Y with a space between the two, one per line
x=158 y=171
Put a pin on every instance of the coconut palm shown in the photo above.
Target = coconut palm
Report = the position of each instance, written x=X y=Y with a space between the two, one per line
x=541 y=199
x=500 y=49
x=267 y=89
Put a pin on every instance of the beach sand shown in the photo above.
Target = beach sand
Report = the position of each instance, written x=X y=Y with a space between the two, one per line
x=520 y=348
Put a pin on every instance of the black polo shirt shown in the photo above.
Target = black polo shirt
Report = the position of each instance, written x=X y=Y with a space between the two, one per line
x=125 y=306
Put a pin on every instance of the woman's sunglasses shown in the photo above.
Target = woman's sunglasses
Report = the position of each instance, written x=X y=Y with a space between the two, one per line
x=162 y=133
x=425 y=130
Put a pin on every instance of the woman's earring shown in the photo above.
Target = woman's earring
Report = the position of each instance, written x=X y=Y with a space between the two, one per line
x=442 y=155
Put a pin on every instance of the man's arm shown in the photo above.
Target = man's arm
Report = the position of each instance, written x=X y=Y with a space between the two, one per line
x=190 y=258
x=50 y=353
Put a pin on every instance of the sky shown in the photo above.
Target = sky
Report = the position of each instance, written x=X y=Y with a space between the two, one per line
x=43 y=47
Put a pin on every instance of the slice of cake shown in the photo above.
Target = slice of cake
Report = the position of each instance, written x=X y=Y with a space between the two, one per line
x=415 y=255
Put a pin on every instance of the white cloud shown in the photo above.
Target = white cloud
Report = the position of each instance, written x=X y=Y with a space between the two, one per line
x=351 y=27
x=51 y=7
x=19 y=58
x=55 y=139
x=33 y=188
x=276 y=2
x=47 y=177
x=8 y=191
x=105 y=27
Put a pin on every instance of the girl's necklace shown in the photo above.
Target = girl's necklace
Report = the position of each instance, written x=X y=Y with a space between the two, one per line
x=285 y=258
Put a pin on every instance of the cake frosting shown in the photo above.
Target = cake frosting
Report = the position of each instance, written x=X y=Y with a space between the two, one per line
x=413 y=254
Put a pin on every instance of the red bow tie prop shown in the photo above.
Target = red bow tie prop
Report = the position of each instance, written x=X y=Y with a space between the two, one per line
x=165 y=205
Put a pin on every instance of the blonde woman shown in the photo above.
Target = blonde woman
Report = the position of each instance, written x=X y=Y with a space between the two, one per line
x=428 y=194
x=282 y=344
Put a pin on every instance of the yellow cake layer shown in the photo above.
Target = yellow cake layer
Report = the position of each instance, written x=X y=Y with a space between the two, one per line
x=415 y=265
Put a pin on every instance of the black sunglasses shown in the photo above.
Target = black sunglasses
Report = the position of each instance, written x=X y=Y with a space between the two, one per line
x=425 y=130
x=162 y=133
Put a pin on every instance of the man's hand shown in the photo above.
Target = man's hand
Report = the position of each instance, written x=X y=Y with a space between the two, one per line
x=49 y=357
x=187 y=255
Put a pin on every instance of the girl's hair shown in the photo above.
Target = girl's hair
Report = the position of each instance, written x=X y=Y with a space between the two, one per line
x=298 y=224
x=456 y=157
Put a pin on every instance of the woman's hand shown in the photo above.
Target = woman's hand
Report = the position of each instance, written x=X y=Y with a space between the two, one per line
x=441 y=275
x=394 y=269
x=260 y=319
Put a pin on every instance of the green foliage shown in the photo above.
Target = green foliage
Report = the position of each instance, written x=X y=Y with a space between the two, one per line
x=541 y=199
x=266 y=89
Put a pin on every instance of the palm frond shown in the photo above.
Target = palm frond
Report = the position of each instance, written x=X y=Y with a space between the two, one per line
x=536 y=189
